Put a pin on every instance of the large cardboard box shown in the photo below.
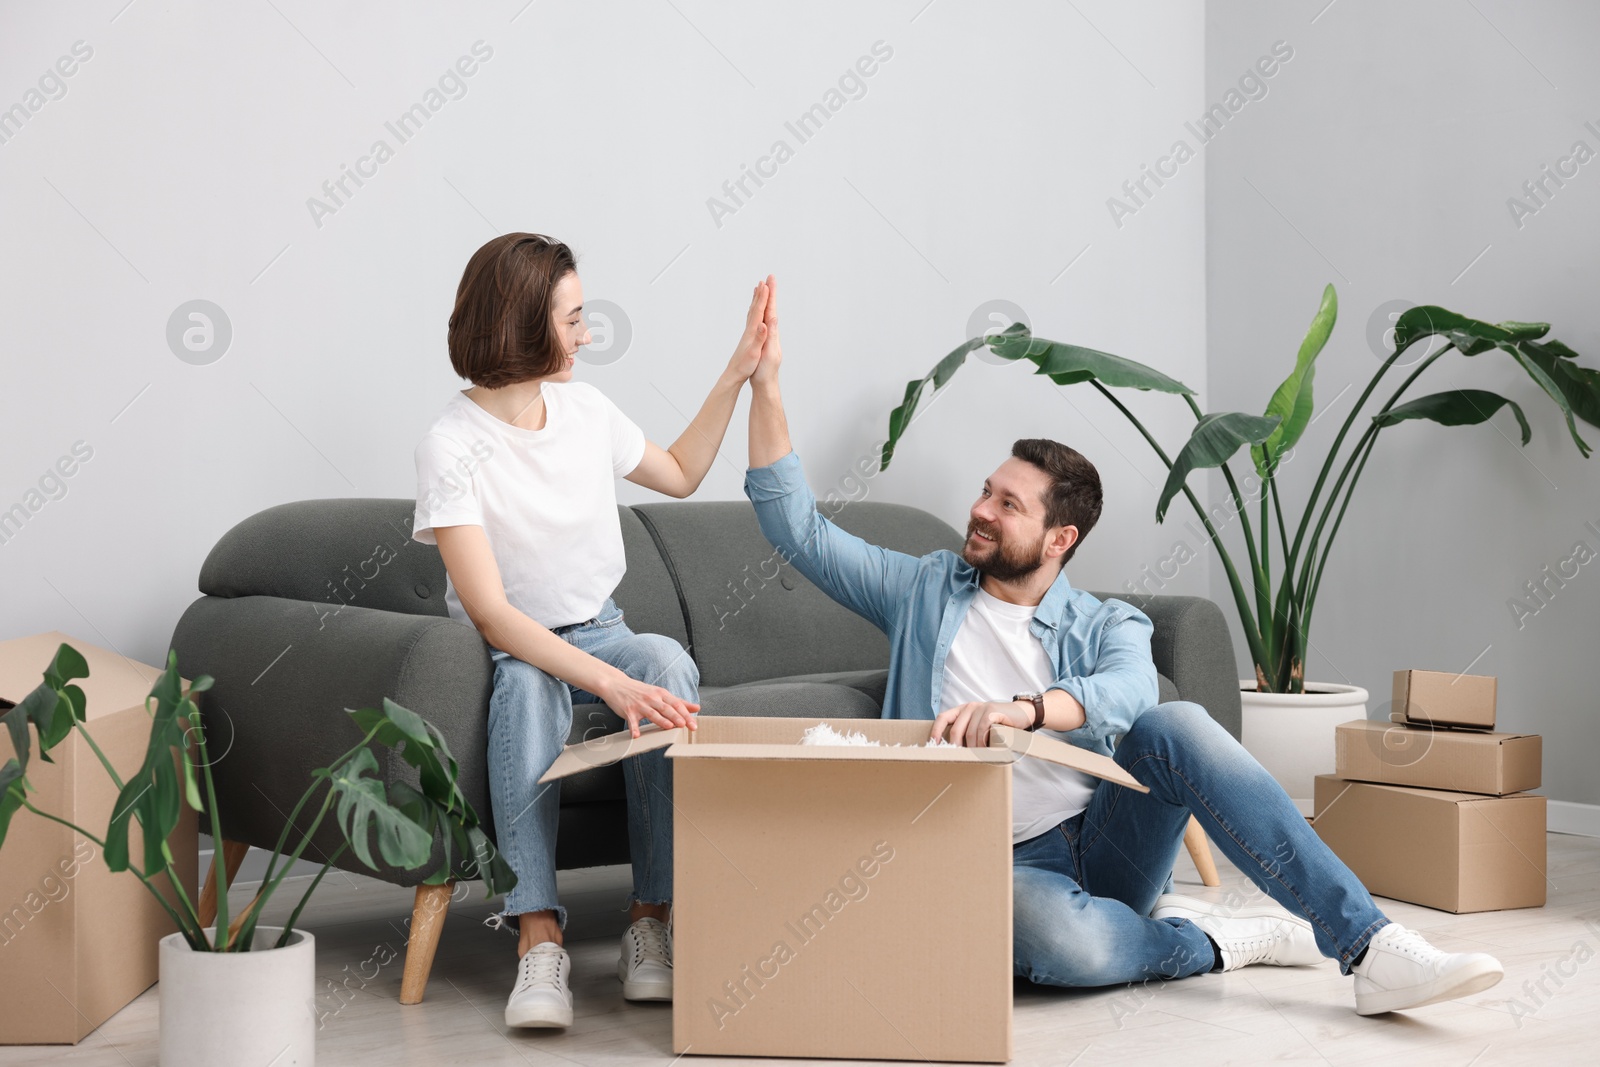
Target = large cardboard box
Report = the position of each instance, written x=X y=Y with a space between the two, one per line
x=77 y=942
x=840 y=901
x=1457 y=852
x=1468 y=762
x=1439 y=698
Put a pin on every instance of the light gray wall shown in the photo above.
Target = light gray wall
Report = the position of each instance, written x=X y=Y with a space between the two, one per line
x=179 y=162
x=1382 y=161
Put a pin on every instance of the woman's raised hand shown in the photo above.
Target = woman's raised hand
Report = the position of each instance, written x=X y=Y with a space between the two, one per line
x=771 y=349
x=748 y=353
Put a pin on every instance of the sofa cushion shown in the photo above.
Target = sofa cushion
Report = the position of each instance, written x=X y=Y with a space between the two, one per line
x=794 y=700
x=875 y=684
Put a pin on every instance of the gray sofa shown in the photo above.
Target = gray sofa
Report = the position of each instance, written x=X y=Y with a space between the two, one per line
x=320 y=605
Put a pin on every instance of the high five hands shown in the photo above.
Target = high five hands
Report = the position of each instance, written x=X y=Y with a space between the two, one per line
x=772 y=349
x=747 y=354
x=758 y=353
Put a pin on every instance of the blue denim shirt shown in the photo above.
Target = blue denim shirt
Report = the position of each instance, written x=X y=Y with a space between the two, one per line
x=1099 y=650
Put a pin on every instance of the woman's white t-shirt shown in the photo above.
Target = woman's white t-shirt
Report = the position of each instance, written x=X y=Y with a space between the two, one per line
x=546 y=499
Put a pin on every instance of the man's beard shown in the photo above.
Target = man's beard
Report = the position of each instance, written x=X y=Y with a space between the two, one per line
x=1004 y=563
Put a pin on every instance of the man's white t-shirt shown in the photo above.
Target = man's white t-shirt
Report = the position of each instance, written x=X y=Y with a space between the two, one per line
x=546 y=499
x=993 y=657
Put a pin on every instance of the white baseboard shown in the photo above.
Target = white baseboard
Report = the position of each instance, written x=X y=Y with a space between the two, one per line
x=1566 y=817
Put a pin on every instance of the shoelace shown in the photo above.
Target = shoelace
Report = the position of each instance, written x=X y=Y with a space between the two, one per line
x=1258 y=949
x=650 y=942
x=1409 y=942
x=541 y=968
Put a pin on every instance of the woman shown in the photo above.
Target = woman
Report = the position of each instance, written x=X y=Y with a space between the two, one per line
x=516 y=485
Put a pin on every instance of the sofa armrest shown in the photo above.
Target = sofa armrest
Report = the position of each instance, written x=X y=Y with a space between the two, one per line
x=1192 y=646
x=286 y=670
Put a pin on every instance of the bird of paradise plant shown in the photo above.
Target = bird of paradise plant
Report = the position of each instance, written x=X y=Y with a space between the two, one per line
x=1276 y=618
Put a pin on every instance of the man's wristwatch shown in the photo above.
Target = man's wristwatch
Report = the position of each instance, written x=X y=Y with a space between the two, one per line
x=1037 y=700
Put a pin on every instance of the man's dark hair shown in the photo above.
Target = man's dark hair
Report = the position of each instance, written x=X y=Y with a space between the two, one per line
x=1074 y=497
x=502 y=329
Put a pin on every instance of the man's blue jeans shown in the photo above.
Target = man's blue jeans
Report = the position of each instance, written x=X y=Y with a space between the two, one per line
x=530 y=720
x=1082 y=892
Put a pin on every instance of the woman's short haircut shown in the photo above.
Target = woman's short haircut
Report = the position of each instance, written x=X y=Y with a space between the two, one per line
x=503 y=327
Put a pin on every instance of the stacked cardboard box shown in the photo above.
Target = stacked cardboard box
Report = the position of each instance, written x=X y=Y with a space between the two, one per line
x=1431 y=807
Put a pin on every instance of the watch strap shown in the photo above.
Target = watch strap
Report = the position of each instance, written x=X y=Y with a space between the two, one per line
x=1037 y=700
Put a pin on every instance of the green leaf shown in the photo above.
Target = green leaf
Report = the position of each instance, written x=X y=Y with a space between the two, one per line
x=153 y=795
x=1468 y=335
x=900 y=418
x=1215 y=439
x=420 y=744
x=362 y=807
x=1292 y=401
x=440 y=803
x=1457 y=407
x=1068 y=364
x=53 y=706
x=13 y=790
x=1547 y=382
x=1580 y=385
x=1527 y=331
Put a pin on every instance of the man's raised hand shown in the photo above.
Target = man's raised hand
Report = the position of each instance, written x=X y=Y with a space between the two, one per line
x=772 y=348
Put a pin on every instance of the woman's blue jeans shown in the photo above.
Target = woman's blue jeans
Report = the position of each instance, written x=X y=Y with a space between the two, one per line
x=530 y=722
x=1082 y=892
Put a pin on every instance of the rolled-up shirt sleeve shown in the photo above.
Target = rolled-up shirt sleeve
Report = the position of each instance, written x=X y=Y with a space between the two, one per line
x=868 y=579
x=1123 y=685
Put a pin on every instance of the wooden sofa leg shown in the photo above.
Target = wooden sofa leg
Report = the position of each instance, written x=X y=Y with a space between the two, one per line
x=232 y=853
x=427 y=923
x=1194 y=838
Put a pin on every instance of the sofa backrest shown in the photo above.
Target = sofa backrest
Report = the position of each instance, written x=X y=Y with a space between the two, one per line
x=752 y=616
x=699 y=572
x=358 y=551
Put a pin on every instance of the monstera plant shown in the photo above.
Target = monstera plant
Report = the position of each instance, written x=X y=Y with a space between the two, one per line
x=177 y=771
x=1275 y=610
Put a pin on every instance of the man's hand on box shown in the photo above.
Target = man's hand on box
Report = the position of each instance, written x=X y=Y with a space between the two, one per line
x=968 y=724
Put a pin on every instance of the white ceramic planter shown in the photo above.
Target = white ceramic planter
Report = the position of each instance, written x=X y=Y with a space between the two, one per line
x=1291 y=734
x=251 y=1007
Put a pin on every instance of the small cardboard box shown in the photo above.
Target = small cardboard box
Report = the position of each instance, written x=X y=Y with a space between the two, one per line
x=1467 y=762
x=1439 y=698
x=840 y=901
x=1456 y=852
x=77 y=942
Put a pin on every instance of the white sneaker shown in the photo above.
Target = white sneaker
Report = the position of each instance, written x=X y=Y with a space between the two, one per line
x=541 y=996
x=1247 y=933
x=646 y=964
x=1401 y=970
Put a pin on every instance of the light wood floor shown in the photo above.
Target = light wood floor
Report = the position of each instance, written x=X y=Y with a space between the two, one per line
x=1254 y=1015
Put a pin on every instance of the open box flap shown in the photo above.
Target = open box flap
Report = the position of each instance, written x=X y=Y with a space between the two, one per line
x=1039 y=746
x=872 y=753
x=604 y=751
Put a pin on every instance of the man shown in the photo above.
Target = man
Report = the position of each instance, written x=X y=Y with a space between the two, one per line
x=997 y=635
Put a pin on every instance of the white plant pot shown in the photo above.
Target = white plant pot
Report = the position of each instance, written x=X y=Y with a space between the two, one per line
x=251 y=1007
x=1291 y=734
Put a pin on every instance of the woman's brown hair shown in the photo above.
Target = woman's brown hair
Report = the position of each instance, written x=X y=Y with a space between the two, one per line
x=502 y=329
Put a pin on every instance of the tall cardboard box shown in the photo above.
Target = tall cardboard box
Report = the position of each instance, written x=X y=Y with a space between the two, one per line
x=840 y=901
x=1460 y=760
x=77 y=942
x=1456 y=852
